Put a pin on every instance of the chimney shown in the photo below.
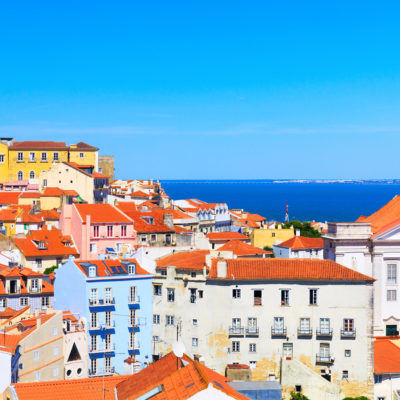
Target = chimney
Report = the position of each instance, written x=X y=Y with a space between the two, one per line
x=168 y=220
x=38 y=322
x=297 y=232
x=222 y=267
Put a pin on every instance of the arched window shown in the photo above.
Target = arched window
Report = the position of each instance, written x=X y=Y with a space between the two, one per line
x=32 y=175
x=20 y=176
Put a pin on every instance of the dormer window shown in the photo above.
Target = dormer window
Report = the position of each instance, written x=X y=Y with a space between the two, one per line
x=41 y=244
x=131 y=269
x=92 y=271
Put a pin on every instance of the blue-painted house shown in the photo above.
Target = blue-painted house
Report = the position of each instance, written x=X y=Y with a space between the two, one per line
x=115 y=297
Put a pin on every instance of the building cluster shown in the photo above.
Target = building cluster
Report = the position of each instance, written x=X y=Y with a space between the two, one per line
x=111 y=289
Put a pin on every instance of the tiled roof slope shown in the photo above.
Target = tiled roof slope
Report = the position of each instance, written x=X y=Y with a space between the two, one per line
x=302 y=242
x=226 y=236
x=386 y=357
x=100 y=213
x=384 y=216
x=9 y=197
x=87 y=389
x=240 y=248
x=184 y=260
x=38 y=145
x=278 y=269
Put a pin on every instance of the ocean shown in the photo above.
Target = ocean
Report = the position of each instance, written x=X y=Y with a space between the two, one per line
x=338 y=202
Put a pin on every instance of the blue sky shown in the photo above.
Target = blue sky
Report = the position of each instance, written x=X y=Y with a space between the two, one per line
x=210 y=89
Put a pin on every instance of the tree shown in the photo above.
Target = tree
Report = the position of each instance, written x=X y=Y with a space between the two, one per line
x=356 y=398
x=49 y=270
x=298 y=396
x=267 y=248
x=305 y=228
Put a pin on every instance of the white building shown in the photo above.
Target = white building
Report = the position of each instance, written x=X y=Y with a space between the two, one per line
x=313 y=316
x=300 y=247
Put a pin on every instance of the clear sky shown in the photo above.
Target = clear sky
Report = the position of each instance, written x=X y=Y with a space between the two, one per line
x=208 y=89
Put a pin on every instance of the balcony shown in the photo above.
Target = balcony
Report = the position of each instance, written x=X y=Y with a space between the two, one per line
x=304 y=332
x=95 y=372
x=37 y=289
x=324 y=359
x=98 y=350
x=133 y=302
x=105 y=303
x=278 y=332
x=252 y=331
x=345 y=333
x=236 y=331
x=326 y=333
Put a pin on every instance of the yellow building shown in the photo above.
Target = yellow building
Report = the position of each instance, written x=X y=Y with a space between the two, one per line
x=268 y=237
x=26 y=160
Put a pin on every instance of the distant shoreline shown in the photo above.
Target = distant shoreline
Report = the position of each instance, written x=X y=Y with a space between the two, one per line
x=307 y=181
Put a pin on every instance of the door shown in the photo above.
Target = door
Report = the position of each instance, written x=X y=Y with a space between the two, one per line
x=287 y=351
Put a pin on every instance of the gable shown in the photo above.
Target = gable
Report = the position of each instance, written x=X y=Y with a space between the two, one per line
x=390 y=234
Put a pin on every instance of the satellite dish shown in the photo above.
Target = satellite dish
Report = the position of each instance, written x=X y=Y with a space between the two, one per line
x=178 y=348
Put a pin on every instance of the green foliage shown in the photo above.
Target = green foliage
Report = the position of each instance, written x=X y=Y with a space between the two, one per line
x=356 y=398
x=267 y=248
x=305 y=228
x=298 y=396
x=49 y=270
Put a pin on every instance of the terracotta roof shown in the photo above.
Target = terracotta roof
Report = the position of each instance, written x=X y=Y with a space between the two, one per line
x=285 y=269
x=37 y=145
x=102 y=213
x=15 y=314
x=53 y=240
x=82 y=146
x=52 y=192
x=302 y=242
x=246 y=222
x=127 y=206
x=105 y=267
x=177 y=381
x=184 y=260
x=384 y=216
x=49 y=215
x=10 y=341
x=226 y=236
x=87 y=389
x=9 y=197
x=255 y=217
x=240 y=248
x=9 y=214
x=7 y=313
x=386 y=357
x=30 y=195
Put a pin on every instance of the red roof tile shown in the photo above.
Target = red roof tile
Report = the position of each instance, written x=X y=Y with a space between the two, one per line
x=9 y=197
x=38 y=145
x=302 y=242
x=226 y=236
x=102 y=213
x=49 y=215
x=83 y=146
x=278 y=269
x=184 y=260
x=386 y=357
x=240 y=248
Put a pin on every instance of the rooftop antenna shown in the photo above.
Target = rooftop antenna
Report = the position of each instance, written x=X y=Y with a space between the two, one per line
x=178 y=348
x=287 y=213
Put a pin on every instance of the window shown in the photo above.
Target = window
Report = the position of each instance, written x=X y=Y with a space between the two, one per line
x=345 y=374
x=107 y=341
x=347 y=353
x=55 y=371
x=253 y=364
x=391 y=295
x=284 y=297
x=131 y=340
x=273 y=234
x=45 y=301
x=324 y=326
x=107 y=365
x=378 y=379
x=235 y=347
x=195 y=322
x=93 y=295
x=36 y=355
x=257 y=297
x=2 y=158
x=278 y=328
x=107 y=318
x=200 y=292
x=96 y=231
x=324 y=353
x=391 y=273
x=156 y=338
x=93 y=366
x=93 y=247
x=236 y=326
x=81 y=155
x=132 y=317
x=32 y=156
x=305 y=326
x=55 y=156
x=3 y=303
x=44 y=156
x=133 y=294
x=132 y=269
x=37 y=376
x=236 y=293
x=193 y=274
x=20 y=176
x=123 y=230
x=313 y=297
x=170 y=320
x=23 y=301
x=157 y=290
x=109 y=230
x=348 y=326
x=54 y=331
x=170 y=294
x=55 y=351
x=252 y=348
x=193 y=295
x=153 y=238
x=92 y=271
x=20 y=156
x=34 y=285
x=168 y=238
x=143 y=239
x=93 y=342
x=156 y=319
x=195 y=342
x=108 y=299
x=163 y=272
x=252 y=326
x=93 y=320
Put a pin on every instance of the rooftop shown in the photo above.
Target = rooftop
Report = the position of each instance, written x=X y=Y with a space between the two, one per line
x=240 y=248
x=102 y=213
x=302 y=242
x=226 y=236
x=386 y=357
x=184 y=260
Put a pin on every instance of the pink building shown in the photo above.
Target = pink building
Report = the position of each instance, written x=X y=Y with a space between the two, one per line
x=98 y=229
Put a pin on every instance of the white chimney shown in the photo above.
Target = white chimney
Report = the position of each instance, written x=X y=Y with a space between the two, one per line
x=297 y=232
x=222 y=267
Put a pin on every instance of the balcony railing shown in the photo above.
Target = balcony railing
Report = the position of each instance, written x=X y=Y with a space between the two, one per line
x=304 y=332
x=133 y=300
x=324 y=359
x=324 y=332
x=105 y=349
x=236 y=331
x=251 y=331
x=101 y=302
x=14 y=291
x=37 y=289
x=134 y=346
x=278 y=332
x=345 y=333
